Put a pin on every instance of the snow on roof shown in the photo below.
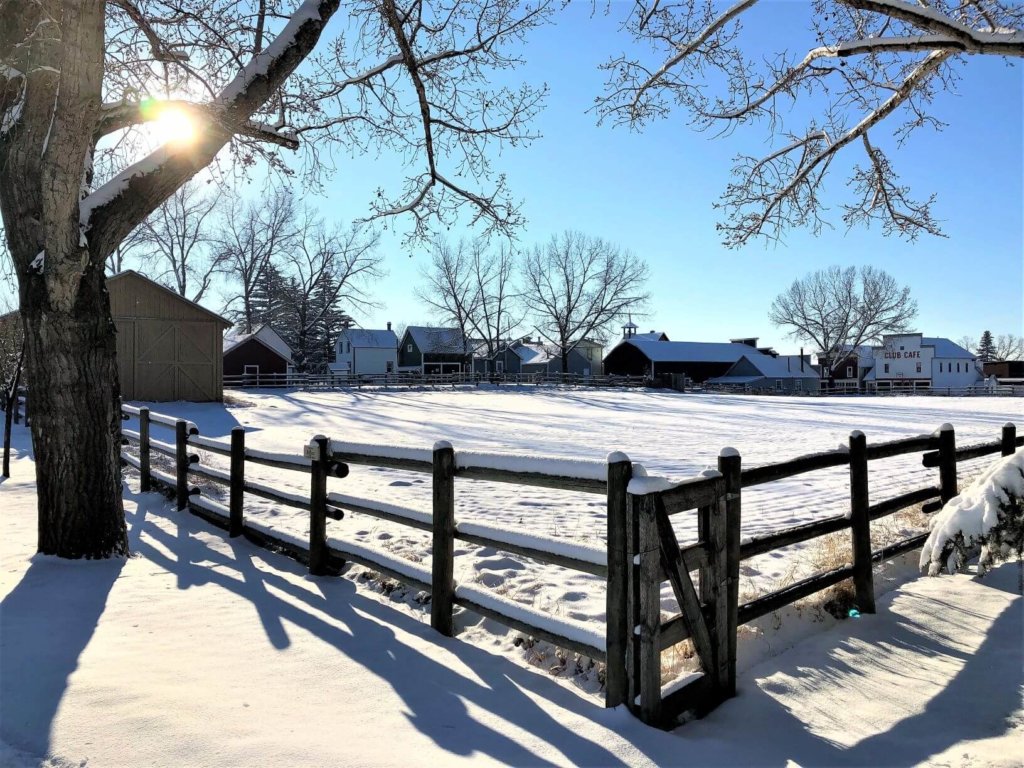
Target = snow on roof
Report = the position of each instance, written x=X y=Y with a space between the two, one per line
x=265 y=335
x=946 y=348
x=693 y=351
x=652 y=336
x=783 y=367
x=364 y=338
x=532 y=354
x=438 y=340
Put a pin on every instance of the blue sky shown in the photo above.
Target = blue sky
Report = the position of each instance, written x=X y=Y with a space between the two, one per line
x=652 y=192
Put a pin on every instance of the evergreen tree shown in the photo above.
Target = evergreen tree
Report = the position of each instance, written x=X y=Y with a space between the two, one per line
x=270 y=299
x=986 y=348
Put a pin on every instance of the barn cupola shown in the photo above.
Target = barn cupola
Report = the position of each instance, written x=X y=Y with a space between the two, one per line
x=629 y=329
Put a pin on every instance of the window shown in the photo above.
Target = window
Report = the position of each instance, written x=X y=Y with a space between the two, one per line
x=940 y=367
x=798 y=384
x=409 y=348
x=499 y=366
x=958 y=367
x=252 y=370
x=778 y=385
x=918 y=367
x=886 y=367
x=391 y=367
x=849 y=371
x=901 y=348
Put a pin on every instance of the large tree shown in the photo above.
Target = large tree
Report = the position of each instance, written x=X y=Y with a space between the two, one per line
x=77 y=74
x=838 y=310
x=471 y=286
x=986 y=350
x=576 y=285
x=859 y=66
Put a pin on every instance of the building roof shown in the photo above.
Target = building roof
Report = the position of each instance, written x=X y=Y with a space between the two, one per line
x=652 y=336
x=364 y=338
x=438 y=340
x=946 y=348
x=692 y=351
x=784 y=367
x=131 y=274
x=532 y=353
x=265 y=335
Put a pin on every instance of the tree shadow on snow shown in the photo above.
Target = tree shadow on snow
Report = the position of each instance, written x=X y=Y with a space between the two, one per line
x=48 y=620
x=435 y=697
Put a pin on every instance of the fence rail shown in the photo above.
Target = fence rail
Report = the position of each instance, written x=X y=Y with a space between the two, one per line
x=642 y=551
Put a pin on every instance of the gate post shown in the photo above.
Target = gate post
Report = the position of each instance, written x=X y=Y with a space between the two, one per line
x=1009 y=439
x=947 y=462
x=620 y=470
x=318 y=508
x=729 y=464
x=144 y=462
x=443 y=546
x=181 y=462
x=860 y=524
x=643 y=651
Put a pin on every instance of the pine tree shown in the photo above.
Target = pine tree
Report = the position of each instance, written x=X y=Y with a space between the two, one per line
x=270 y=299
x=986 y=348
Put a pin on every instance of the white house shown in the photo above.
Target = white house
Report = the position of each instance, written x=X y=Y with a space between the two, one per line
x=909 y=360
x=361 y=351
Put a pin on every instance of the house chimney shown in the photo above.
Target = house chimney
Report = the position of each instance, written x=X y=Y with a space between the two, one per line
x=801 y=359
x=389 y=325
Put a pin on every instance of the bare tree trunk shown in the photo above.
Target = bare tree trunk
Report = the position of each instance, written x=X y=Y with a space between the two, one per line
x=73 y=373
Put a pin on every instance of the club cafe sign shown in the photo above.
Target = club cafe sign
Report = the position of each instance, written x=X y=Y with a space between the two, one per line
x=914 y=354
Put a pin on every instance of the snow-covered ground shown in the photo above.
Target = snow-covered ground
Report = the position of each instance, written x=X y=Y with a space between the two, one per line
x=206 y=651
x=672 y=434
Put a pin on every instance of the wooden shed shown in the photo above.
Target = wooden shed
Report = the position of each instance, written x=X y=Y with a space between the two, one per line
x=168 y=348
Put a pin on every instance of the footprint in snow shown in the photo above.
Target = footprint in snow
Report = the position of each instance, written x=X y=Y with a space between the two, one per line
x=400 y=483
x=498 y=564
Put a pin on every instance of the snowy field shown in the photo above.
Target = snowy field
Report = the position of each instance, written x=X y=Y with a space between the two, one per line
x=204 y=651
x=671 y=434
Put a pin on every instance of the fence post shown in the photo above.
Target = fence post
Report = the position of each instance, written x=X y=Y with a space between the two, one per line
x=443 y=551
x=1009 y=440
x=860 y=524
x=620 y=471
x=317 y=508
x=947 y=462
x=144 y=466
x=643 y=652
x=181 y=462
x=729 y=464
x=237 y=481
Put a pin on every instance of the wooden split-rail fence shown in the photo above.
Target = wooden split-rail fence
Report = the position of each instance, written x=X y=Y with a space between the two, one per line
x=642 y=549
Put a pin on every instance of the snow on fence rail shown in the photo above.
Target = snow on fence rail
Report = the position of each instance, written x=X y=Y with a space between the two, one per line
x=642 y=550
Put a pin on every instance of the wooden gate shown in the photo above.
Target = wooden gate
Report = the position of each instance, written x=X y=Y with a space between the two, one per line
x=707 y=611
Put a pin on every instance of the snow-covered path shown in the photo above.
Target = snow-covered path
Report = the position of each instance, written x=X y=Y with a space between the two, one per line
x=204 y=651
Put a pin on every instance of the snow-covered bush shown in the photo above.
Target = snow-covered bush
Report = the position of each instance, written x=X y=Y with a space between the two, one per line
x=990 y=514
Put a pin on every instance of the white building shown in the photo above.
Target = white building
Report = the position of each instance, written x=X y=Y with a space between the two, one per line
x=360 y=351
x=910 y=360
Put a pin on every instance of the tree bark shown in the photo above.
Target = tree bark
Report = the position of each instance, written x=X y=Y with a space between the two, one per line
x=72 y=371
x=12 y=401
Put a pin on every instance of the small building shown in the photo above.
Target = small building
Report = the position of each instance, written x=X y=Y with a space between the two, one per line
x=697 y=360
x=590 y=353
x=168 y=348
x=763 y=373
x=433 y=350
x=362 y=351
x=260 y=353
